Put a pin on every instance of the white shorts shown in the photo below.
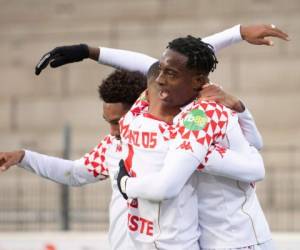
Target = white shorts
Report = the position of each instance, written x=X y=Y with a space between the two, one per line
x=269 y=245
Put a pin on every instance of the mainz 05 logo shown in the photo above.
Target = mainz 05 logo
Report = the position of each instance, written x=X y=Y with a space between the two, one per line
x=195 y=120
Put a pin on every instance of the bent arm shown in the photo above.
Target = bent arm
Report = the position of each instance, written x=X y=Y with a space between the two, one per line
x=72 y=173
x=178 y=167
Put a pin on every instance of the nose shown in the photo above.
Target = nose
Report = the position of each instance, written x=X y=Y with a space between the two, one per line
x=160 y=79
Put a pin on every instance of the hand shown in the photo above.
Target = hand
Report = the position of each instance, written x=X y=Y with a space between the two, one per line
x=8 y=159
x=62 y=55
x=122 y=179
x=256 y=34
x=214 y=92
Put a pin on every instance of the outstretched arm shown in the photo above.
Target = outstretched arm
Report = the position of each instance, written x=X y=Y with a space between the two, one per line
x=255 y=34
x=72 y=173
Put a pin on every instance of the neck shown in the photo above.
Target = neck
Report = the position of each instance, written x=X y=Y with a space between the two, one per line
x=162 y=112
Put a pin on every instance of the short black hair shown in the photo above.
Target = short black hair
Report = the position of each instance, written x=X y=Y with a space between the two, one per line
x=201 y=56
x=122 y=86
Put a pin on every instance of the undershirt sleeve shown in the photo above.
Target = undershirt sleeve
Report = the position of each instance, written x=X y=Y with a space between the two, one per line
x=72 y=173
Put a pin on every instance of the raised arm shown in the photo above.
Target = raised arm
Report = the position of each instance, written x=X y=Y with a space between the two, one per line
x=255 y=34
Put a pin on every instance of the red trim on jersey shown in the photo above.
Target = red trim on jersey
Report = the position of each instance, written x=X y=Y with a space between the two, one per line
x=128 y=161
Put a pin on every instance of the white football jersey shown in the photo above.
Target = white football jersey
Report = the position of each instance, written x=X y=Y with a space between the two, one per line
x=171 y=223
x=198 y=126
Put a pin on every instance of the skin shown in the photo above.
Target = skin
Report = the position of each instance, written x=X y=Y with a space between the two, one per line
x=177 y=84
x=112 y=113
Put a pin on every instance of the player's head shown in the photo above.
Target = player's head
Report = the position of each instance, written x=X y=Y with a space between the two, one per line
x=118 y=92
x=152 y=90
x=183 y=69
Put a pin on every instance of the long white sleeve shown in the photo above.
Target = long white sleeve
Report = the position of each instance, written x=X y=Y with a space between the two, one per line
x=166 y=184
x=125 y=59
x=246 y=167
x=72 y=173
x=134 y=61
x=180 y=166
x=224 y=38
x=250 y=130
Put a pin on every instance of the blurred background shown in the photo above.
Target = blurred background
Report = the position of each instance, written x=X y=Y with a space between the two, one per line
x=34 y=111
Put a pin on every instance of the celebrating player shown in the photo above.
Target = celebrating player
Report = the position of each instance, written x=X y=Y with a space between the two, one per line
x=118 y=91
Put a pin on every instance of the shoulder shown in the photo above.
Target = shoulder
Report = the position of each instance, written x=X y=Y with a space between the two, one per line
x=204 y=121
x=96 y=159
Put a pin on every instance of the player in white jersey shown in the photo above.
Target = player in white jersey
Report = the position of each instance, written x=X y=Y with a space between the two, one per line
x=166 y=225
x=177 y=81
x=118 y=91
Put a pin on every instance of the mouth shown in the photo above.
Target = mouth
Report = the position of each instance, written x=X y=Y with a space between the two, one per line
x=163 y=94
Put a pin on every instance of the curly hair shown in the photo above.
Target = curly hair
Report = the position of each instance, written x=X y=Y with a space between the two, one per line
x=201 y=56
x=122 y=86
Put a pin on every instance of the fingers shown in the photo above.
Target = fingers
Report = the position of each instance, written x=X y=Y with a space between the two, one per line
x=42 y=63
x=3 y=161
x=58 y=61
x=272 y=30
x=264 y=41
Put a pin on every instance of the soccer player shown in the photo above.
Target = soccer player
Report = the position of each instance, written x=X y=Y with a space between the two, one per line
x=173 y=223
x=118 y=92
x=229 y=212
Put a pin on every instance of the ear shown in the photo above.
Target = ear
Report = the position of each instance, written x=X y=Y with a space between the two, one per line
x=199 y=80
